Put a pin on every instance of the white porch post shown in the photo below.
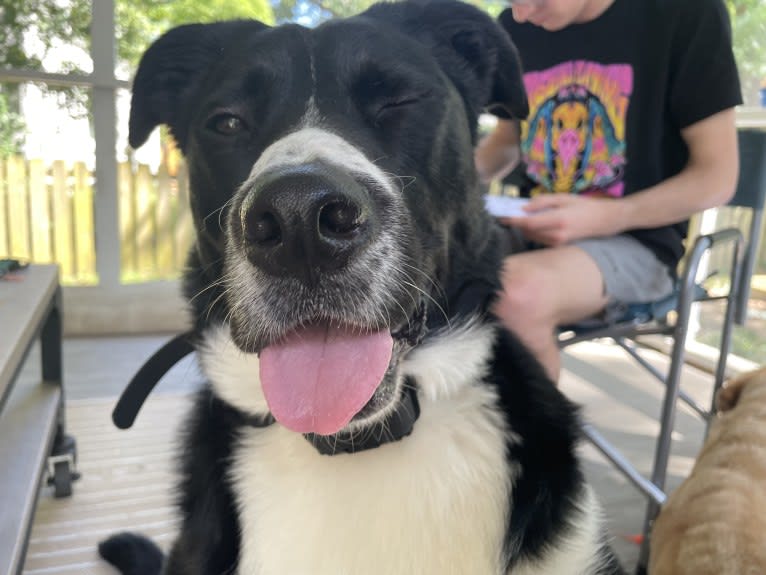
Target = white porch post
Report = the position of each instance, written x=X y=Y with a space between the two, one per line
x=103 y=52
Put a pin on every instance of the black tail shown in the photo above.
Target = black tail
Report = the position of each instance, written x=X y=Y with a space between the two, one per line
x=132 y=554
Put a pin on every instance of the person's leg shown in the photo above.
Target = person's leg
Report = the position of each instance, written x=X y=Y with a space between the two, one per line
x=545 y=288
x=551 y=287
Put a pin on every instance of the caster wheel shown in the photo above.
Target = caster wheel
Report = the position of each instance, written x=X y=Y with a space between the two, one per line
x=62 y=480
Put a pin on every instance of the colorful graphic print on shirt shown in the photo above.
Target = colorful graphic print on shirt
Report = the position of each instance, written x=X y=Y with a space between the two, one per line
x=574 y=139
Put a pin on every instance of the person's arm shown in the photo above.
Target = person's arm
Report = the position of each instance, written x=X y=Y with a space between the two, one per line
x=709 y=179
x=498 y=153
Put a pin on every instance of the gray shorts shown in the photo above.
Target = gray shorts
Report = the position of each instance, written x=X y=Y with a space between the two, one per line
x=632 y=273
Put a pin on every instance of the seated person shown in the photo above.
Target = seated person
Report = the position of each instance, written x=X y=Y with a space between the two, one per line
x=631 y=131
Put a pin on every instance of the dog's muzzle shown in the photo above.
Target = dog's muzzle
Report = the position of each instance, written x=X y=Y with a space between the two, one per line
x=306 y=220
x=318 y=250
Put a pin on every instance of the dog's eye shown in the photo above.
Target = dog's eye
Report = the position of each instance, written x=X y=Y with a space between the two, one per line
x=398 y=103
x=393 y=105
x=226 y=124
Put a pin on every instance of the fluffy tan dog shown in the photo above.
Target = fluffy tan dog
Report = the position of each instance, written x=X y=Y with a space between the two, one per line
x=715 y=522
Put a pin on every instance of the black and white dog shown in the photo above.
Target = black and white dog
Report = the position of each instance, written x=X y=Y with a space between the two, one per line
x=365 y=415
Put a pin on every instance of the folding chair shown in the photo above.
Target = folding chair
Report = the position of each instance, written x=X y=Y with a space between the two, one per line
x=656 y=319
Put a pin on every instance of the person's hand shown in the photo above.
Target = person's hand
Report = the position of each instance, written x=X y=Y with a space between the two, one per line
x=558 y=219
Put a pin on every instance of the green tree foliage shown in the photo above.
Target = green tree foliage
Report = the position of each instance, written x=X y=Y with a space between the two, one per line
x=141 y=21
x=11 y=129
x=50 y=22
x=320 y=9
x=748 y=23
x=30 y=30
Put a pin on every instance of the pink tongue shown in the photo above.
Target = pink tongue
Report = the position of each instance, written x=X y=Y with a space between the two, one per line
x=318 y=378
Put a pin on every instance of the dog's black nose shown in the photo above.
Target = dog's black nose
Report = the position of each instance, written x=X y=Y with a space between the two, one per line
x=303 y=221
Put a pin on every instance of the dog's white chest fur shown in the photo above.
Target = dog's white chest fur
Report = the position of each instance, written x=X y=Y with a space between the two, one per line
x=436 y=502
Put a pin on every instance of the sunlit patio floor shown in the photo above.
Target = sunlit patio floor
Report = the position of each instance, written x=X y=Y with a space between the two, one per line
x=127 y=476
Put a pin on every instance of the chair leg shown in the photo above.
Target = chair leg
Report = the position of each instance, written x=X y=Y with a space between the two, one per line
x=667 y=423
x=726 y=332
x=720 y=372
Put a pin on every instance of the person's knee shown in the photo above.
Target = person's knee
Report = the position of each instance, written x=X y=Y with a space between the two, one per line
x=522 y=302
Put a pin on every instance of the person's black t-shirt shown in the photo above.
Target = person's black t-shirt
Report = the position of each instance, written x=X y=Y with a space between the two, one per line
x=608 y=99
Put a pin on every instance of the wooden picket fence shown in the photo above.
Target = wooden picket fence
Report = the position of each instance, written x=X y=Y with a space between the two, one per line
x=156 y=227
x=46 y=215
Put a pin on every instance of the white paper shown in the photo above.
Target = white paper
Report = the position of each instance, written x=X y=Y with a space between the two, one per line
x=505 y=207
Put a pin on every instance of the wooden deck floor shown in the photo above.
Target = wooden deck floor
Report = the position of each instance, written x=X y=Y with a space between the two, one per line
x=126 y=482
x=128 y=475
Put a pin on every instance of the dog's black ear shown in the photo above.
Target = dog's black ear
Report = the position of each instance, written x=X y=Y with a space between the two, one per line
x=473 y=50
x=169 y=70
x=487 y=65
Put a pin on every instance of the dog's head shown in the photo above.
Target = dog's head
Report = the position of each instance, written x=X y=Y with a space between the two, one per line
x=333 y=187
x=752 y=383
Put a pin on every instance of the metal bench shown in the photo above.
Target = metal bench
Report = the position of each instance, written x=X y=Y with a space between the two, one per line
x=33 y=444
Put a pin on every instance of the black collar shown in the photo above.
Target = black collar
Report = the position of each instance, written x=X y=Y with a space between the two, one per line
x=397 y=424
